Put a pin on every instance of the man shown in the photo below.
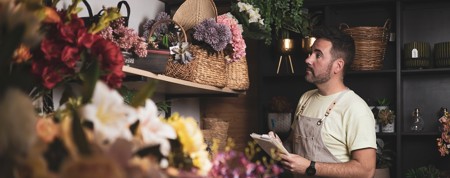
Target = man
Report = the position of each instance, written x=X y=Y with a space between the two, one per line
x=333 y=134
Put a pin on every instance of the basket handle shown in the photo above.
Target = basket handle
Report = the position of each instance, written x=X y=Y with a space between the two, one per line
x=343 y=25
x=152 y=30
x=215 y=9
x=387 y=24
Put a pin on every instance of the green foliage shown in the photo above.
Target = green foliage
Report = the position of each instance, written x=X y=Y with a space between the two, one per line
x=384 y=155
x=426 y=171
x=280 y=15
x=383 y=102
x=145 y=92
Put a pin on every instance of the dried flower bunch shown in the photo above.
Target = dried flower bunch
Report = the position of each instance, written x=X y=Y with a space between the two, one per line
x=164 y=35
x=215 y=35
x=386 y=116
x=237 y=41
x=443 y=143
x=126 y=38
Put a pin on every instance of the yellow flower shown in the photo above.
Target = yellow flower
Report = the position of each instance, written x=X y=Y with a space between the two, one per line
x=191 y=139
x=188 y=132
x=200 y=159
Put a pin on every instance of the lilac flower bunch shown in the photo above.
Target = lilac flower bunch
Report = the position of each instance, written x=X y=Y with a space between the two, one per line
x=218 y=36
x=126 y=38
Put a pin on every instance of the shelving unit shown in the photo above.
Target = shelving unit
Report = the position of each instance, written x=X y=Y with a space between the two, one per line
x=177 y=87
x=428 y=89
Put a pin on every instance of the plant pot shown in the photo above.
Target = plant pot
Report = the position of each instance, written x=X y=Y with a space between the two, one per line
x=388 y=128
x=279 y=122
x=307 y=43
x=382 y=173
x=155 y=61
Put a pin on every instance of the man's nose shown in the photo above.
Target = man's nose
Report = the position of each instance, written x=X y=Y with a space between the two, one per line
x=308 y=59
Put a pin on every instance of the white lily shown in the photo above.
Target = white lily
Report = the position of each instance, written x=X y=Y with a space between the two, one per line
x=109 y=114
x=154 y=130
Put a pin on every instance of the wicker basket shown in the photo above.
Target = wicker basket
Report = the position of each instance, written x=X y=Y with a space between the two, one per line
x=192 y=12
x=205 y=68
x=218 y=130
x=237 y=75
x=370 y=44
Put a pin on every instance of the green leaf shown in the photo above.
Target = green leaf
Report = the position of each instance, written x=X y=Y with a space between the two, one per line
x=67 y=93
x=89 y=75
x=145 y=92
x=78 y=135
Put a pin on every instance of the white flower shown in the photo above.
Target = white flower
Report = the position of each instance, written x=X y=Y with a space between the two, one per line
x=253 y=13
x=109 y=114
x=154 y=130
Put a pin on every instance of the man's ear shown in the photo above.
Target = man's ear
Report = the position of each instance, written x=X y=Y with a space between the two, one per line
x=339 y=65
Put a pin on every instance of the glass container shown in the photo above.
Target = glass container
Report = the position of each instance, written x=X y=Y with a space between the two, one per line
x=417 y=122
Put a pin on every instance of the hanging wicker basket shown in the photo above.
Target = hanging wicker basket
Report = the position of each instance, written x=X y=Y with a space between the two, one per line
x=370 y=45
x=237 y=75
x=205 y=68
x=192 y=12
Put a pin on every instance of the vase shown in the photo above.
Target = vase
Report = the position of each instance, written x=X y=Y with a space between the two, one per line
x=279 y=122
x=382 y=173
x=307 y=43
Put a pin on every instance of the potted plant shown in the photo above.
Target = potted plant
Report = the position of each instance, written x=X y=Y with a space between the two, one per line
x=386 y=119
x=384 y=160
x=426 y=171
x=280 y=115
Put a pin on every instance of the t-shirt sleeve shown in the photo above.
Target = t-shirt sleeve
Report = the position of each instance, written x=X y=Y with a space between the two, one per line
x=360 y=127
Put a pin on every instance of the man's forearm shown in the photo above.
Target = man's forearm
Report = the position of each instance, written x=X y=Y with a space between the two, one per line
x=349 y=169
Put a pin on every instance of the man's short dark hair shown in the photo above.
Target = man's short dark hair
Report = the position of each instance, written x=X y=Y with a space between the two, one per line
x=343 y=45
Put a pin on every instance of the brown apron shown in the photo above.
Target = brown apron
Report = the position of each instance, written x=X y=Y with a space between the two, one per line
x=307 y=140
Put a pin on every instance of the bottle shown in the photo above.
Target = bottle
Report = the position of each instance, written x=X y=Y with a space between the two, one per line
x=416 y=121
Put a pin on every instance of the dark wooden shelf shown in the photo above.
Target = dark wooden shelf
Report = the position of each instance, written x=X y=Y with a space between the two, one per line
x=370 y=72
x=421 y=134
x=386 y=134
x=425 y=71
x=312 y=3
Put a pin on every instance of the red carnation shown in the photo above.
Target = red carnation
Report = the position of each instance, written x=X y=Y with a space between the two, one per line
x=111 y=60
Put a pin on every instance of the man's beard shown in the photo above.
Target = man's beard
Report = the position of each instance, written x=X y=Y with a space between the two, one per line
x=321 y=78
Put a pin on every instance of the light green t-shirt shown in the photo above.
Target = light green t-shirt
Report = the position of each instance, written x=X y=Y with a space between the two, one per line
x=350 y=125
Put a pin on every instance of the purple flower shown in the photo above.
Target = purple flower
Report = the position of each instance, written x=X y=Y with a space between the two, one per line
x=218 y=36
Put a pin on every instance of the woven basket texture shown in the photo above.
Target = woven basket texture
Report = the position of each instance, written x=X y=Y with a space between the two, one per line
x=237 y=75
x=192 y=12
x=205 y=68
x=216 y=129
x=370 y=45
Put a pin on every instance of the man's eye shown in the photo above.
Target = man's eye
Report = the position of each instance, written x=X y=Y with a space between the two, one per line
x=318 y=55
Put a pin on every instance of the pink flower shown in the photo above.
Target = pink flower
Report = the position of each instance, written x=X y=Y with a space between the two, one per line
x=237 y=41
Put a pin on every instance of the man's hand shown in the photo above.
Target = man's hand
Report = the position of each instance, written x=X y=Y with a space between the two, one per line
x=275 y=136
x=294 y=163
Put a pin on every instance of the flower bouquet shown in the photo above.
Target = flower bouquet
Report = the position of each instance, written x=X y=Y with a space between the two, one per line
x=444 y=141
